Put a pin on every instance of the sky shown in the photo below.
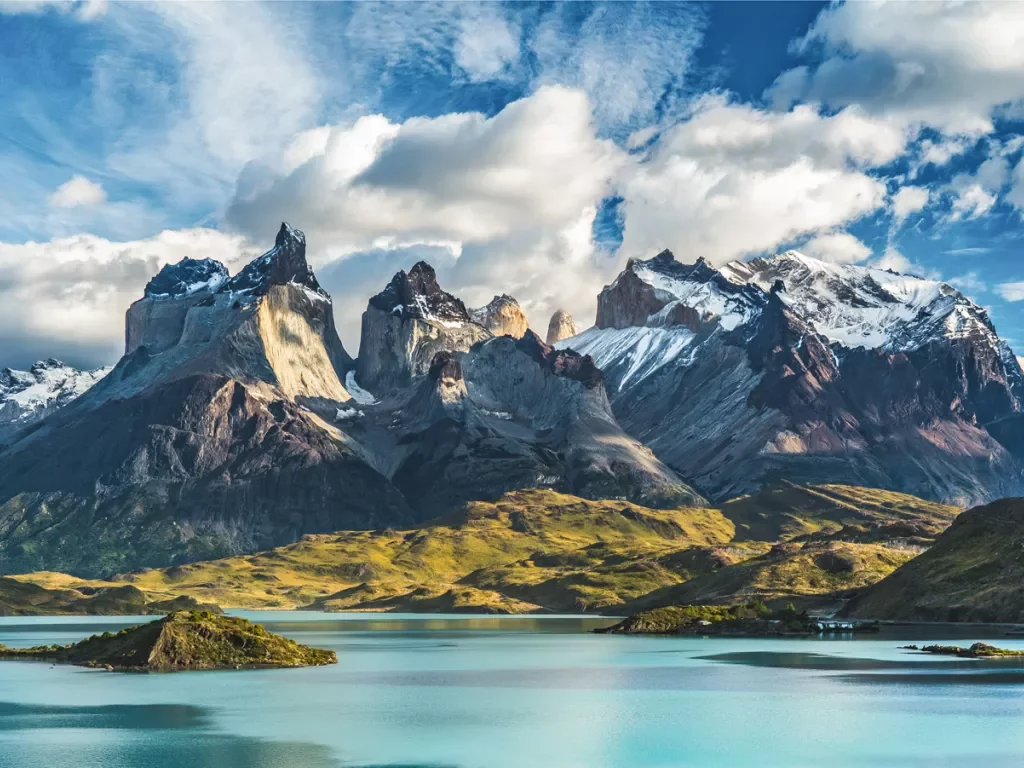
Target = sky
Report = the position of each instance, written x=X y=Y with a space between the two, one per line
x=528 y=149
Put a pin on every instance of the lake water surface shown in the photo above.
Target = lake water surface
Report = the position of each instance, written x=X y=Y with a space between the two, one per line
x=468 y=692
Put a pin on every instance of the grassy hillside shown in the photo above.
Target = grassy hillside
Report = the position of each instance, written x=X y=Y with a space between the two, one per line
x=182 y=640
x=529 y=550
x=974 y=572
x=785 y=511
x=814 y=574
x=21 y=597
x=540 y=550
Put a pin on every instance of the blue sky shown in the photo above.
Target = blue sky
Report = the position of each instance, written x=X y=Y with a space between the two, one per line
x=527 y=148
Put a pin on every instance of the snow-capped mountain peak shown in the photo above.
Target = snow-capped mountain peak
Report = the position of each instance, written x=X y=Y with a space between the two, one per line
x=866 y=307
x=698 y=286
x=187 y=277
x=417 y=295
x=283 y=264
x=26 y=396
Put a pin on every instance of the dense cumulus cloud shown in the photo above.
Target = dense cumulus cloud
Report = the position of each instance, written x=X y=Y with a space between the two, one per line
x=67 y=297
x=500 y=143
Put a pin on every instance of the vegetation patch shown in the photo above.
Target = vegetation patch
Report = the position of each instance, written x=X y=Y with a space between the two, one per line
x=974 y=572
x=538 y=550
x=180 y=641
x=976 y=651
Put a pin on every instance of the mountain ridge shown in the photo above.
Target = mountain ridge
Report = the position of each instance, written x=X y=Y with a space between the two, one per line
x=726 y=376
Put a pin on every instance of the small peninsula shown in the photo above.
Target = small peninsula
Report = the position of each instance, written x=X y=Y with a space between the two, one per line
x=976 y=651
x=753 y=619
x=182 y=640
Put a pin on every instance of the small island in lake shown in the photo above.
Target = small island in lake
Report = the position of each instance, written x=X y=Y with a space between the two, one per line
x=976 y=651
x=180 y=641
x=752 y=619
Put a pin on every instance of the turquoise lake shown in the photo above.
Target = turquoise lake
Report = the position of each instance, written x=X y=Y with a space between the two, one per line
x=483 y=692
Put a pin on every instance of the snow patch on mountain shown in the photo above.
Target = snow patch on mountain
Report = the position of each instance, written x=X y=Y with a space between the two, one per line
x=358 y=394
x=187 y=277
x=699 y=293
x=46 y=386
x=631 y=354
x=864 y=307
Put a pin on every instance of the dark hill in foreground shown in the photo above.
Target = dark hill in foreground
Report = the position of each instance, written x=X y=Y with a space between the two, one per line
x=974 y=572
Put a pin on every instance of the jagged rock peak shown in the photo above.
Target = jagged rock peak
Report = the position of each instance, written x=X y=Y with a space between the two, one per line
x=284 y=263
x=448 y=390
x=416 y=294
x=186 y=277
x=562 y=362
x=502 y=316
x=645 y=289
x=560 y=327
x=445 y=365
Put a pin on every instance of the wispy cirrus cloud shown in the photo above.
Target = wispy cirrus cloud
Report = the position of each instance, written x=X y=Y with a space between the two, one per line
x=1011 y=291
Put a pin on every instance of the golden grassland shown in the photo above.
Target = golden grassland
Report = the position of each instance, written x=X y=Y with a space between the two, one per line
x=540 y=550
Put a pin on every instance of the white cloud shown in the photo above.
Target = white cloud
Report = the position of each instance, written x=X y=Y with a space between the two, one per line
x=908 y=200
x=72 y=292
x=971 y=201
x=837 y=247
x=78 y=191
x=460 y=177
x=513 y=195
x=1016 y=194
x=974 y=194
x=630 y=58
x=733 y=180
x=1012 y=291
x=970 y=283
x=187 y=93
x=893 y=260
x=487 y=42
x=941 y=152
x=947 y=64
x=86 y=10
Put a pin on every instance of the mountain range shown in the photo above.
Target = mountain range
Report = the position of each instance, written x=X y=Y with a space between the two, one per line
x=236 y=421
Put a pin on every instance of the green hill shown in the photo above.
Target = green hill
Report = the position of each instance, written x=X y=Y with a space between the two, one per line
x=541 y=550
x=25 y=598
x=786 y=511
x=529 y=550
x=974 y=572
x=817 y=575
x=180 y=641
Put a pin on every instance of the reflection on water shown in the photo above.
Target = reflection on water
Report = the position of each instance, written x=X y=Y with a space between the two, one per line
x=824 y=662
x=974 y=677
x=50 y=736
x=19 y=717
x=915 y=668
x=499 y=692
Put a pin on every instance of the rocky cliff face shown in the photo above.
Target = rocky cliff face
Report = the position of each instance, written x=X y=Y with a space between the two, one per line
x=408 y=323
x=208 y=437
x=561 y=326
x=512 y=414
x=793 y=368
x=269 y=324
x=502 y=317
